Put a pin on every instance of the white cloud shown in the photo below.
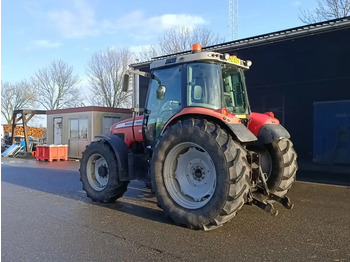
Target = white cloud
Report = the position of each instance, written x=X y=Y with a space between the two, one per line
x=46 y=44
x=168 y=21
x=43 y=44
x=136 y=23
x=138 y=48
x=296 y=3
x=77 y=22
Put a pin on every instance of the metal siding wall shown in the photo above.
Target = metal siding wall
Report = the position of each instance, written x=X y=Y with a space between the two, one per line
x=49 y=129
x=303 y=71
x=332 y=132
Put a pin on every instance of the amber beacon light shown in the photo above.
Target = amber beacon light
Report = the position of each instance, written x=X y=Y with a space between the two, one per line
x=196 y=48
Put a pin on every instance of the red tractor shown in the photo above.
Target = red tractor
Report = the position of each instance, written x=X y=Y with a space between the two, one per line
x=197 y=144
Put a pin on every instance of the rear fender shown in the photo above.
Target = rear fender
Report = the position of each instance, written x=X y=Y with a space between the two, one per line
x=121 y=154
x=233 y=124
x=271 y=132
x=267 y=128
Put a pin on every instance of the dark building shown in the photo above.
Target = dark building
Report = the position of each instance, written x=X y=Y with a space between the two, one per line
x=300 y=74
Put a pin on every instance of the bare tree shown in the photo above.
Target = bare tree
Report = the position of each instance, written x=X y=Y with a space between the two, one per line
x=325 y=10
x=148 y=52
x=16 y=96
x=181 y=39
x=105 y=71
x=56 y=86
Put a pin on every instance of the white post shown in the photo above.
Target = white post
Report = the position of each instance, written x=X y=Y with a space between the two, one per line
x=136 y=90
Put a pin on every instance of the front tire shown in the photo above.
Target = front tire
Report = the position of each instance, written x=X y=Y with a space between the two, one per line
x=99 y=173
x=200 y=174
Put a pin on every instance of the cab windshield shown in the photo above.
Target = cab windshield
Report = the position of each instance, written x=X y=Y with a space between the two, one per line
x=216 y=86
x=234 y=90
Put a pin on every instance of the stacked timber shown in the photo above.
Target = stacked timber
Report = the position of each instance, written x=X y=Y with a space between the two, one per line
x=19 y=131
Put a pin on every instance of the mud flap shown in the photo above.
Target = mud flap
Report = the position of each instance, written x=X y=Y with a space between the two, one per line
x=242 y=133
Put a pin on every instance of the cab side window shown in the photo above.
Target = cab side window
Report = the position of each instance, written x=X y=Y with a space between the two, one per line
x=161 y=110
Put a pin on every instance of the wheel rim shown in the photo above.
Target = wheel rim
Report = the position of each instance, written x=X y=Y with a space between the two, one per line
x=266 y=162
x=97 y=172
x=189 y=175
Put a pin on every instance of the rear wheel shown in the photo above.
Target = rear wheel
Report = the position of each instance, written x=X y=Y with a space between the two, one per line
x=194 y=182
x=99 y=173
x=278 y=161
x=200 y=174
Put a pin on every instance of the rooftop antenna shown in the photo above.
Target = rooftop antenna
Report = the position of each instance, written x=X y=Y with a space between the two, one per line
x=233 y=19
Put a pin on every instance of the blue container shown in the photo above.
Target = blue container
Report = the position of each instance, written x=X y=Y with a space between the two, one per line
x=331 y=132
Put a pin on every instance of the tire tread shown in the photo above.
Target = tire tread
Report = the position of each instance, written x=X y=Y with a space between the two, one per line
x=236 y=164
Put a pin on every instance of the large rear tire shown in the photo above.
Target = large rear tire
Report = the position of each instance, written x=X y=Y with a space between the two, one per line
x=284 y=166
x=200 y=175
x=279 y=163
x=99 y=173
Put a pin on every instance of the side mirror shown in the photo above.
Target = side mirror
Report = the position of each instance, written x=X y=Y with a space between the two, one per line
x=161 y=92
x=125 y=82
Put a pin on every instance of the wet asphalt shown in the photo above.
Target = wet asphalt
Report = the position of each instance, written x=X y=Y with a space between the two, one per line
x=47 y=217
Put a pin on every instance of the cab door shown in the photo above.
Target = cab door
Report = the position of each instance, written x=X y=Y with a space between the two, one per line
x=159 y=111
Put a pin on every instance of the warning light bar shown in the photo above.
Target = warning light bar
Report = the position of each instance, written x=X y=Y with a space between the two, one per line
x=198 y=55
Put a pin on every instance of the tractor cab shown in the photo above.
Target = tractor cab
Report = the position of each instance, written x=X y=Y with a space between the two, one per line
x=200 y=80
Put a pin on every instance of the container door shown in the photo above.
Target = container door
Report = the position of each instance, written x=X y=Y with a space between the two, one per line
x=83 y=135
x=73 y=138
x=57 y=130
x=78 y=136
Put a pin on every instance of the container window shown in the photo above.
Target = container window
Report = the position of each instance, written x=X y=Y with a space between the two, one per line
x=83 y=127
x=108 y=121
x=78 y=128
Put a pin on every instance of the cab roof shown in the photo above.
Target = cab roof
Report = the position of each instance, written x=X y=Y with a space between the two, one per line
x=199 y=56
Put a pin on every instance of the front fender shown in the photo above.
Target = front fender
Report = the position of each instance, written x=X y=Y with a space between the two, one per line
x=121 y=154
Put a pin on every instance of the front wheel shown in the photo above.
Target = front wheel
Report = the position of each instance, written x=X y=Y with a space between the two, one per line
x=200 y=174
x=99 y=173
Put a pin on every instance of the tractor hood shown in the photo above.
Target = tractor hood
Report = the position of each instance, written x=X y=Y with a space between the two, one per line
x=127 y=123
x=130 y=129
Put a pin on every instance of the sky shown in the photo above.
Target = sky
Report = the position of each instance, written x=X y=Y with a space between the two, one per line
x=34 y=33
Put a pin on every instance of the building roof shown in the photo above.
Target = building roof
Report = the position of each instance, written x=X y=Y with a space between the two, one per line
x=292 y=33
x=89 y=109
